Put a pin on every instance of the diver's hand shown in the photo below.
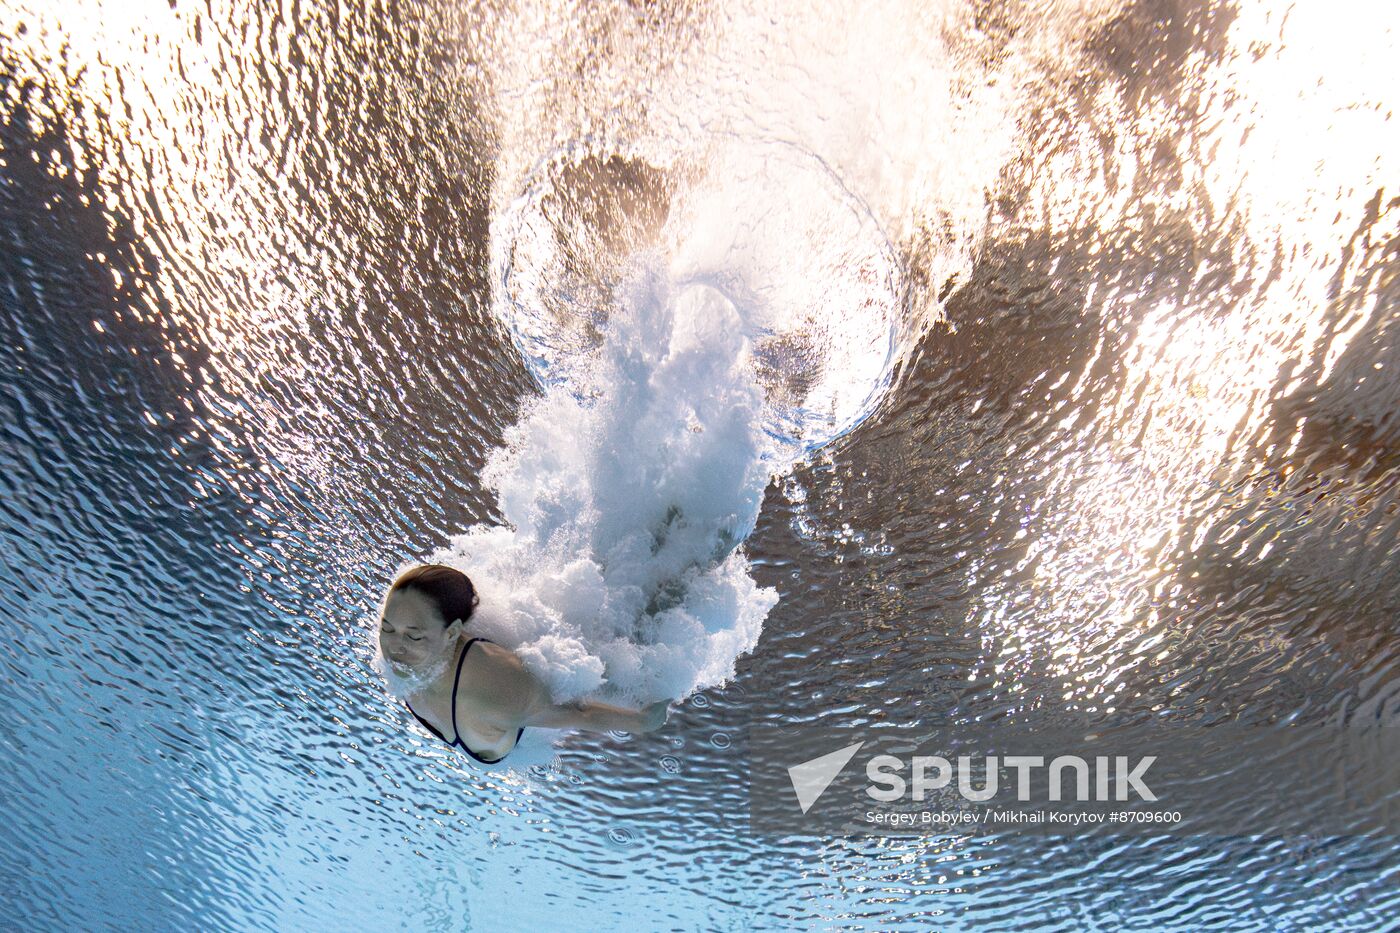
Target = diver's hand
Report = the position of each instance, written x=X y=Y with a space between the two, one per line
x=654 y=715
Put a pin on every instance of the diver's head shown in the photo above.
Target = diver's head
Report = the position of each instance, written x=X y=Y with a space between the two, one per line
x=424 y=614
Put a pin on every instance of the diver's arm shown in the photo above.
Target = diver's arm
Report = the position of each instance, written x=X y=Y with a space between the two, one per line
x=597 y=717
x=504 y=695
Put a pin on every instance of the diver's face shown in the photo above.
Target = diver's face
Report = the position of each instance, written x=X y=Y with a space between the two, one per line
x=411 y=631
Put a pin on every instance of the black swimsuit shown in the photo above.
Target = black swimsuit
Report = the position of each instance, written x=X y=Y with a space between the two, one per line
x=457 y=739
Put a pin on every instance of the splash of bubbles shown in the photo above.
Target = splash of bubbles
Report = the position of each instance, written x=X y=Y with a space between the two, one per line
x=403 y=682
x=629 y=487
x=697 y=324
x=763 y=225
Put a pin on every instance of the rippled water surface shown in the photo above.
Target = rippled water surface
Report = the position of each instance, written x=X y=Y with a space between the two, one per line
x=1079 y=319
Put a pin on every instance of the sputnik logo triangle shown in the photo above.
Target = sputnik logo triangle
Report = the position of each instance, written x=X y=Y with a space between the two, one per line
x=811 y=778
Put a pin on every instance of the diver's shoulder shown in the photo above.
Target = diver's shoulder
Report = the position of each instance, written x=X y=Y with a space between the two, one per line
x=496 y=655
x=498 y=686
x=497 y=665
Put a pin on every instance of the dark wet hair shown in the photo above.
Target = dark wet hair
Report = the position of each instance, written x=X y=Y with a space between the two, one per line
x=448 y=589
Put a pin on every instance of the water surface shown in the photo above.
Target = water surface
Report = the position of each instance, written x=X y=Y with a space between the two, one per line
x=1112 y=433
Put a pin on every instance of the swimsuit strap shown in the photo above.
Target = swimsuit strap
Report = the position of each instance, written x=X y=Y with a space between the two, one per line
x=456 y=677
x=457 y=739
x=456 y=681
x=492 y=761
x=426 y=725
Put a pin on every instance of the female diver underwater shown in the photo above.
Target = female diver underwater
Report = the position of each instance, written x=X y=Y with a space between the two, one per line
x=469 y=688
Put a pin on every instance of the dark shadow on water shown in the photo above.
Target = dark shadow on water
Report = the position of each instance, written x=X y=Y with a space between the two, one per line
x=940 y=487
x=1324 y=494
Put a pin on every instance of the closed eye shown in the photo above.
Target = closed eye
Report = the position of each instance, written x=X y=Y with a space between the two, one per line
x=415 y=638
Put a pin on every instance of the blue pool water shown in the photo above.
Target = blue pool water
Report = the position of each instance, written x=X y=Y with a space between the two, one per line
x=1075 y=331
